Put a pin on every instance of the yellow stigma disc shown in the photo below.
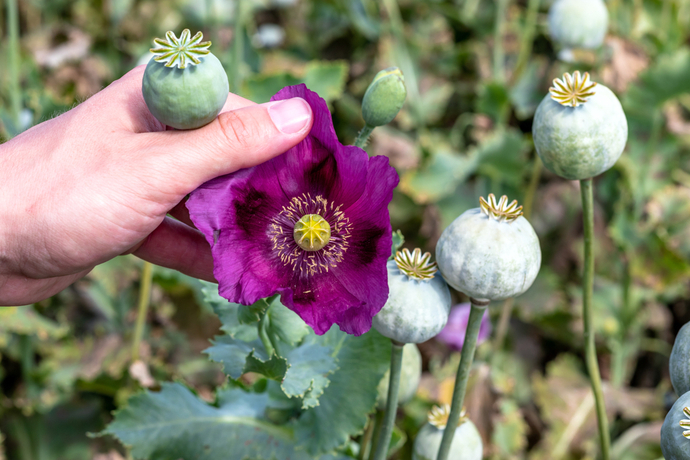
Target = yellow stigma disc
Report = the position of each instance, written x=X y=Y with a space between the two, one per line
x=312 y=232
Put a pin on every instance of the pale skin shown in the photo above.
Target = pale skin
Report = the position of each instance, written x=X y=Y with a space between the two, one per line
x=103 y=179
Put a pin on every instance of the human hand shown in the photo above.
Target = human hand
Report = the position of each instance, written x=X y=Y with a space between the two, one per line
x=98 y=181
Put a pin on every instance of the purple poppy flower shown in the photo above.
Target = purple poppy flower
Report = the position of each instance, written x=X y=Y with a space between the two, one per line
x=454 y=332
x=311 y=224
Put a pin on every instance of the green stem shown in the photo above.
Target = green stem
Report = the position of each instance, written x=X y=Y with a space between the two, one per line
x=263 y=335
x=363 y=136
x=527 y=39
x=13 y=63
x=237 y=48
x=499 y=30
x=392 y=402
x=528 y=202
x=619 y=355
x=587 y=289
x=468 y=347
x=365 y=443
x=378 y=423
x=142 y=308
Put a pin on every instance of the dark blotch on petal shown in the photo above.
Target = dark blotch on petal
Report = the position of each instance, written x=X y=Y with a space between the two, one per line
x=365 y=242
x=247 y=208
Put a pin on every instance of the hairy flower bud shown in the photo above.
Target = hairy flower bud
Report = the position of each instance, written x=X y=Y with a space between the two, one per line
x=384 y=97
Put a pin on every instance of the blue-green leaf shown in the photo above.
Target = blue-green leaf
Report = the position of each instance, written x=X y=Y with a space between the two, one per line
x=351 y=394
x=174 y=424
x=239 y=357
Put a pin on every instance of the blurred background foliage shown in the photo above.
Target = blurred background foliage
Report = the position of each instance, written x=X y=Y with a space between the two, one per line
x=475 y=72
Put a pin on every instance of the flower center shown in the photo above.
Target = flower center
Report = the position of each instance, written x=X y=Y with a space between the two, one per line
x=328 y=248
x=572 y=90
x=500 y=210
x=312 y=232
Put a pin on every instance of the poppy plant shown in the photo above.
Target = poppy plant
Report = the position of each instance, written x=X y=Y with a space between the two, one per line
x=311 y=225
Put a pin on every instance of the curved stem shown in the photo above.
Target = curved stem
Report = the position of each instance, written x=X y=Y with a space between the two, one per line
x=363 y=136
x=392 y=402
x=468 y=347
x=263 y=335
x=365 y=442
x=143 y=307
x=587 y=289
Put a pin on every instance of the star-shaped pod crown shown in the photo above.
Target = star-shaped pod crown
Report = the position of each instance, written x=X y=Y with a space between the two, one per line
x=572 y=91
x=439 y=416
x=415 y=264
x=686 y=423
x=500 y=210
x=180 y=51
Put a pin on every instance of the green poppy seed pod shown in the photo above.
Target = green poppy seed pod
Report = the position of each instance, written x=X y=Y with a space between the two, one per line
x=490 y=252
x=578 y=23
x=184 y=85
x=679 y=363
x=384 y=98
x=675 y=432
x=418 y=301
x=410 y=376
x=579 y=129
x=466 y=445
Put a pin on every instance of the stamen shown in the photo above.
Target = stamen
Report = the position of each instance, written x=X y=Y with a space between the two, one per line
x=286 y=243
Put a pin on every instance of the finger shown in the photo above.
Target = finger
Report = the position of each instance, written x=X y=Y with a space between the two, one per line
x=136 y=117
x=237 y=139
x=180 y=247
x=181 y=213
x=20 y=290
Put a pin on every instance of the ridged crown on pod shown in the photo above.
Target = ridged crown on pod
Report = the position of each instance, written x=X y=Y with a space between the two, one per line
x=572 y=90
x=438 y=416
x=182 y=51
x=500 y=210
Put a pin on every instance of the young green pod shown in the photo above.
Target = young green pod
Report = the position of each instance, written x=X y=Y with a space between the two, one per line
x=675 y=432
x=467 y=443
x=384 y=97
x=184 y=85
x=490 y=252
x=418 y=302
x=579 y=129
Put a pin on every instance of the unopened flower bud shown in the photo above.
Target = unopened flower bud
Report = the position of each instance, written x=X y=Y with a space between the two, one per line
x=384 y=97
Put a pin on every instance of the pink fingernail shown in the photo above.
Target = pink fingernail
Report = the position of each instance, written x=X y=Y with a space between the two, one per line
x=290 y=116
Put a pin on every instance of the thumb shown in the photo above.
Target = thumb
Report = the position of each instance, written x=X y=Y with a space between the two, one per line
x=234 y=140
